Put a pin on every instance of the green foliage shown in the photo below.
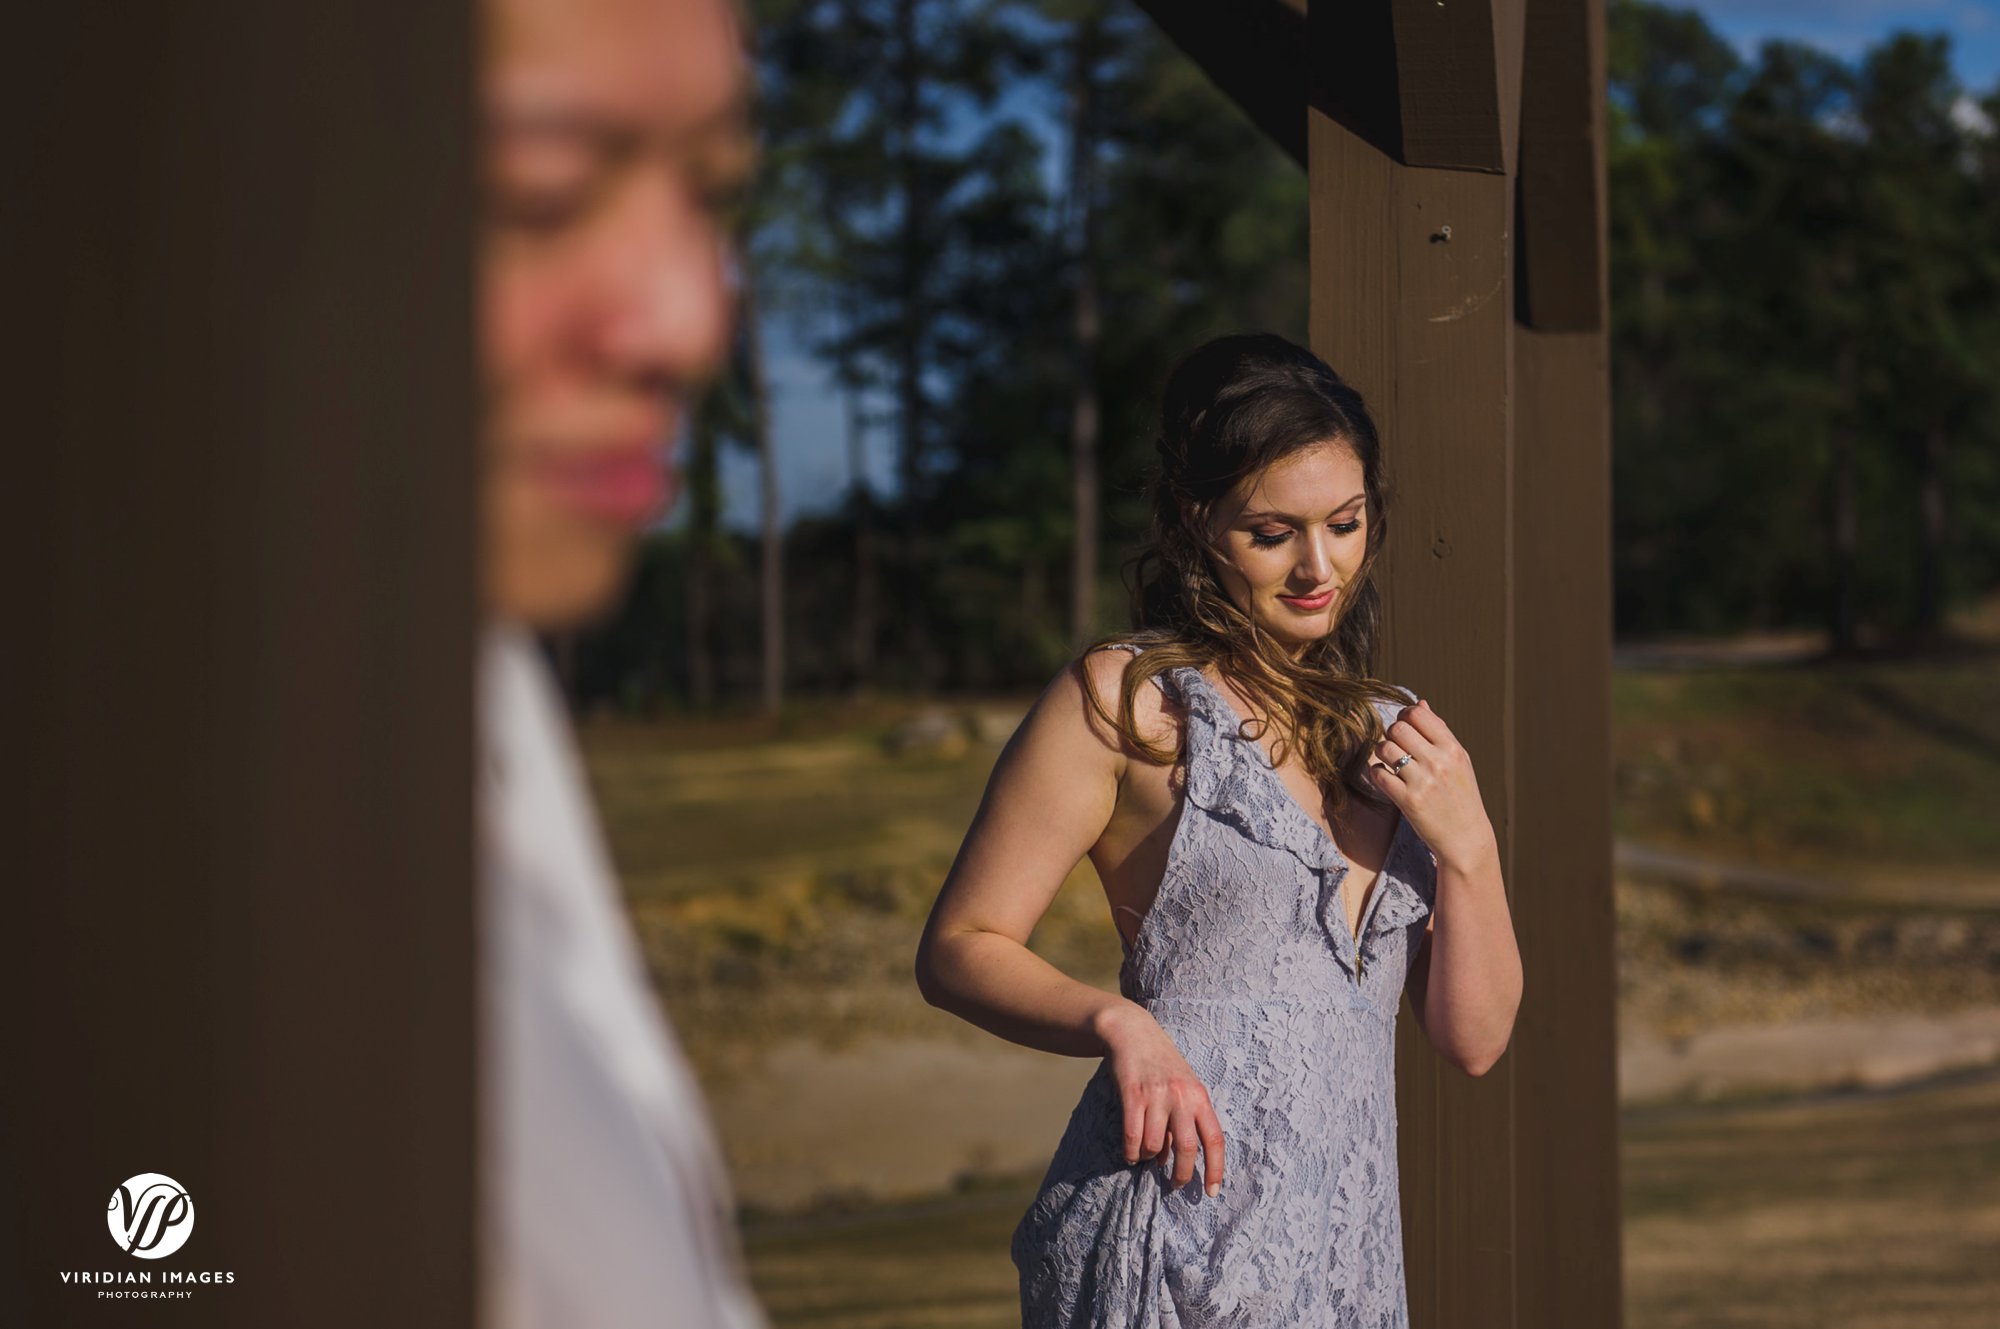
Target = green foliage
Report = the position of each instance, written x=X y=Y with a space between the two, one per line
x=908 y=218
x=1803 y=283
x=1805 y=265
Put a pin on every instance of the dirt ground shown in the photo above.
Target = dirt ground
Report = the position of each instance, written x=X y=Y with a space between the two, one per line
x=835 y=1093
x=1858 y=1209
x=1869 y=1210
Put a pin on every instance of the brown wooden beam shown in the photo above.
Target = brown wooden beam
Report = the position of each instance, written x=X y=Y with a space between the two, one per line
x=1566 y=1202
x=1564 y=1144
x=1354 y=80
x=1496 y=440
x=1425 y=83
x=1561 y=219
x=1410 y=300
x=241 y=658
x=1448 y=79
x=1253 y=51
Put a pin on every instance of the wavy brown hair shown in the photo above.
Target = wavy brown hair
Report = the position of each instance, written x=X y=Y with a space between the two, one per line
x=1232 y=408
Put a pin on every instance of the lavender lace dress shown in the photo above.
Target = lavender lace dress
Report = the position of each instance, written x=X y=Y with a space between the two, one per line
x=1246 y=960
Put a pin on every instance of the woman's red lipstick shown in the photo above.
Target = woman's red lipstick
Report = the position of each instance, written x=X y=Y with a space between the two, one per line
x=1309 y=603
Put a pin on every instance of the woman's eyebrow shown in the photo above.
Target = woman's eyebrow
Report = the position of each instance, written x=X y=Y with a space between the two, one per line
x=1286 y=516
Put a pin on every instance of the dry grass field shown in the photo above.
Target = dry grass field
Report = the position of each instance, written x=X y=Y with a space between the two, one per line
x=1866 y=1211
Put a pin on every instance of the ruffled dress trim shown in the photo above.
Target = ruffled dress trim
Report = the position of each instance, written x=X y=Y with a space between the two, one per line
x=1236 y=783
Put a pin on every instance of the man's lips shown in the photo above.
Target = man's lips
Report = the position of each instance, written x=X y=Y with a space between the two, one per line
x=624 y=484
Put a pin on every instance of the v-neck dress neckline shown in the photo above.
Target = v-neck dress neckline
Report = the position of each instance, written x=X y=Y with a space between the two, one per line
x=1327 y=842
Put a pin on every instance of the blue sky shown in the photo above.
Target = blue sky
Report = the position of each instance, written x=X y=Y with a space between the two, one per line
x=1848 y=27
x=808 y=416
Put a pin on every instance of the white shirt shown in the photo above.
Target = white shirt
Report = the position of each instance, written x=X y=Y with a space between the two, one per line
x=605 y=1203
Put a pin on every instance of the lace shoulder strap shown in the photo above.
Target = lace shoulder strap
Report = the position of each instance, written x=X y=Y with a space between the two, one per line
x=1168 y=684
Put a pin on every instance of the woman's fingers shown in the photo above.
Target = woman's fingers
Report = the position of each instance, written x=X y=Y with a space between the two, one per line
x=1210 y=1127
x=1146 y=1121
x=1171 y=1122
x=1403 y=731
x=1156 y=1127
x=1387 y=779
x=1427 y=722
x=1185 y=1138
x=1134 y=1100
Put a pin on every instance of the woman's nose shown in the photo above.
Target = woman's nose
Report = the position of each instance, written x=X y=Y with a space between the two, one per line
x=1315 y=561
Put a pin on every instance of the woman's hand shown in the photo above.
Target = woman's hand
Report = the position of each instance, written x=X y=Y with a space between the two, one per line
x=1436 y=789
x=1166 y=1105
x=1465 y=985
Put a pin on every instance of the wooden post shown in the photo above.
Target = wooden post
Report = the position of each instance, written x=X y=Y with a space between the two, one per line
x=1567 y=1207
x=242 y=590
x=1456 y=174
x=1498 y=584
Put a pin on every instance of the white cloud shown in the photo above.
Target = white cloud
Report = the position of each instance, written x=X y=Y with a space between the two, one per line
x=1966 y=114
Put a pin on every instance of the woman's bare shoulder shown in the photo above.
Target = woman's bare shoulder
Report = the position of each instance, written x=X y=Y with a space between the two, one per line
x=1104 y=671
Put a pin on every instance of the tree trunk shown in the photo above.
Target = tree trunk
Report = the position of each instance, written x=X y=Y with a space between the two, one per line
x=862 y=647
x=1930 y=536
x=704 y=508
x=1084 y=328
x=1842 y=521
x=909 y=371
x=771 y=570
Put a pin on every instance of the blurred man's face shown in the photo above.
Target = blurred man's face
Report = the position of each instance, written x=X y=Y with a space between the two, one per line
x=616 y=135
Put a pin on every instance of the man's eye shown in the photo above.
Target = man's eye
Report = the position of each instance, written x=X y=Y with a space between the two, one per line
x=542 y=181
x=539 y=210
x=1265 y=541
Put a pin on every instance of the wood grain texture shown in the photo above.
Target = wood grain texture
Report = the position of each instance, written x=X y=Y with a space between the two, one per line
x=1566 y=1031
x=1561 y=212
x=1565 y=1039
x=1448 y=83
x=246 y=589
x=1496 y=588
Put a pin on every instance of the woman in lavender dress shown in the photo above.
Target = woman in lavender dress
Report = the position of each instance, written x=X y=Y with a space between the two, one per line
x=1287 y=846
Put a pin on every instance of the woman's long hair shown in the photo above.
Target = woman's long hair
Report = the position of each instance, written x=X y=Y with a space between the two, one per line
x=1232 y=407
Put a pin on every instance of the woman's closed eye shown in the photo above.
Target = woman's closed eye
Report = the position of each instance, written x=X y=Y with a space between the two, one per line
x=1266 y=539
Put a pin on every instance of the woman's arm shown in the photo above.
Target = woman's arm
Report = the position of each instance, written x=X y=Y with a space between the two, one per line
x=1050 y=796
x=1465 y=983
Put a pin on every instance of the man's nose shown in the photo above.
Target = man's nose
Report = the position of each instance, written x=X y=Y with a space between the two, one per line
x=667 y=311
